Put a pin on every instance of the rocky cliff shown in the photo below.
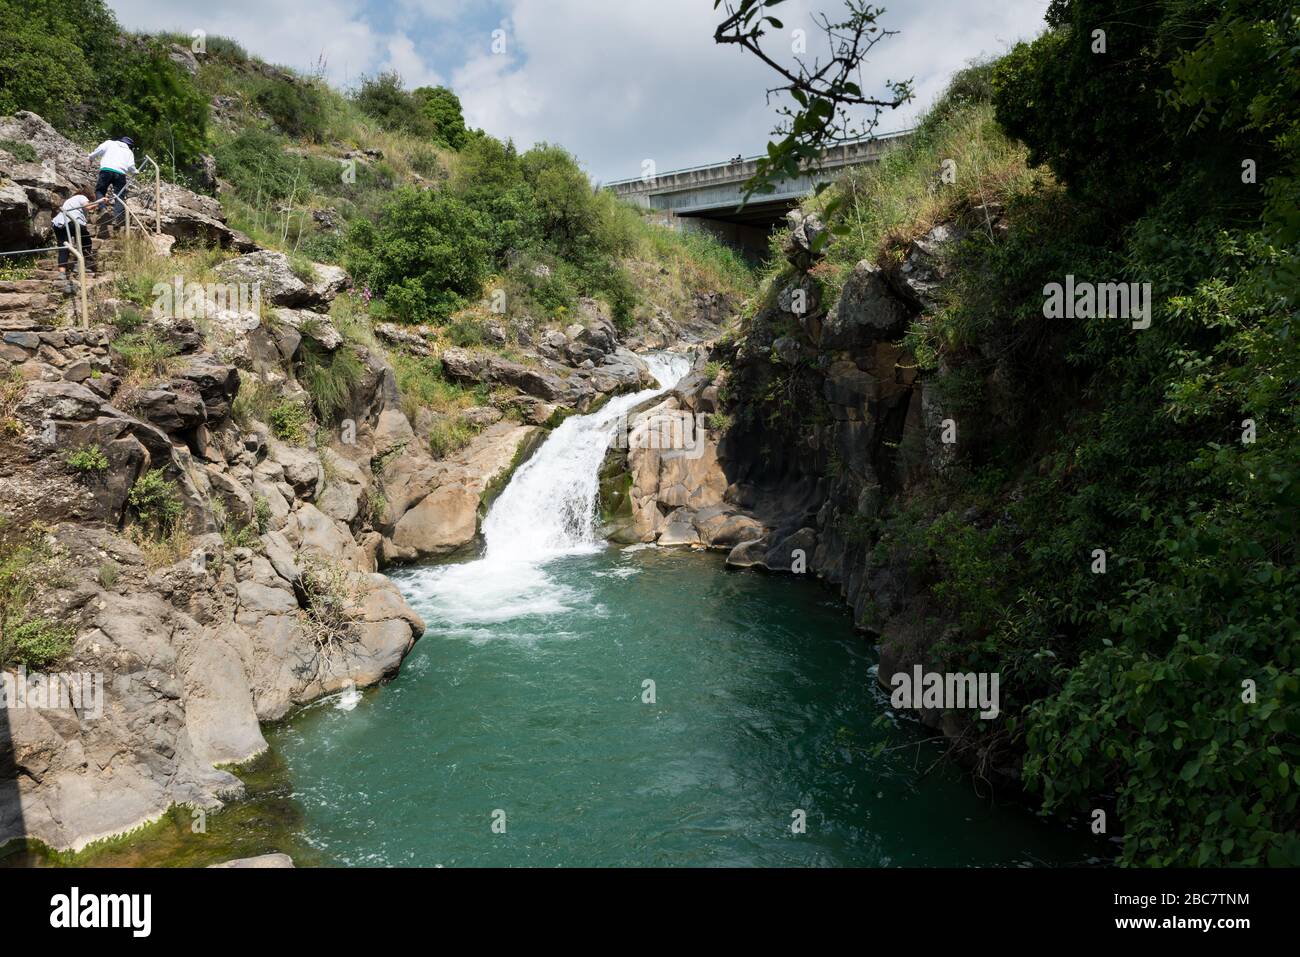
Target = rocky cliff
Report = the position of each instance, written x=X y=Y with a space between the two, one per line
x=812 y=421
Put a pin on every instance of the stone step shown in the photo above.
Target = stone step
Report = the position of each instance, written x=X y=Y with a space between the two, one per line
x=24 y=323
x=11 y=302
x=24 y=286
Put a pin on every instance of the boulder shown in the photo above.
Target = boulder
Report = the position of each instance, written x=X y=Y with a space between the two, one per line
x=867 y=311
x=272 y=273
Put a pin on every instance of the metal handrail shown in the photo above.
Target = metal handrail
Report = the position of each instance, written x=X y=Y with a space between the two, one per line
x=157 y=191
x=81 y=270
x=81 y=265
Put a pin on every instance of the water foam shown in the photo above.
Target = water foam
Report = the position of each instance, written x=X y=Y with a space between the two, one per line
x=547 y=511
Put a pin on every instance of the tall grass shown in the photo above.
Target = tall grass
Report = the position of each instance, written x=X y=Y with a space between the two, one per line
x=886 y=205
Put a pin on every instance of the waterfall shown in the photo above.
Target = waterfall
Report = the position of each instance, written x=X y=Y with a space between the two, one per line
x=549 y=507
x=547 y=511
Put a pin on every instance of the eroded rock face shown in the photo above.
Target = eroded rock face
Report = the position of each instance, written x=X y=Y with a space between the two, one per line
x=670 y=485
x=434 y=507
x=867 y=311
x=196 y=651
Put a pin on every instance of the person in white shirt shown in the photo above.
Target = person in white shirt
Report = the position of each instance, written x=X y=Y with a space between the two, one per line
x=68 y=221
x=115 y=160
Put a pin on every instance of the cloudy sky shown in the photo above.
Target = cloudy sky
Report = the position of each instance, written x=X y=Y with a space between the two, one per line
x=615 y=81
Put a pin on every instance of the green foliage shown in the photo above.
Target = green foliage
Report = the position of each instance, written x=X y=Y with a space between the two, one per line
x=384 y=98
x=432 y=113
x=290 y=421
x=295 y=106
x=156 y=102
x=145 y=353
x=1169 y=685
x=43 y=64
x=23 y=152
x=156 y=501
x=330 y=377
x=449 y=434
x=28 y=639
x=90 y=459
x=261 y=514
x=71 y=63
x=426 y=256
x=440 y=108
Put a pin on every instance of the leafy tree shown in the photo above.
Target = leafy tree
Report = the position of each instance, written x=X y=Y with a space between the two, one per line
x=42 y=72
x=426 y=256
x=563 y=196
x=71 y=63
x=158 y=105
x=441 y=108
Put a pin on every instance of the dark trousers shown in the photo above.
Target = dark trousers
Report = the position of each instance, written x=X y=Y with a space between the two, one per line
x=109 y=178
x=64 y=234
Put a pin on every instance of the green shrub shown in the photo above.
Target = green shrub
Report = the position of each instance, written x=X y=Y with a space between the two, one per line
x=23 y=152
x=290 y=421
x=43 y=68
x=442 y=118
x=262 y=514
x=466 y=332
x=157 y=503
x=330 y=377
x=32 y=641
x=449 y=434
x=157 y=103
x=426 y=256
x=295 y=106
x=87 y=460
x=224 y=48
x=145 y=353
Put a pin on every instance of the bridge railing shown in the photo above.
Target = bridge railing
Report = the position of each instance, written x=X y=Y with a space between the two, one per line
x=750 y=159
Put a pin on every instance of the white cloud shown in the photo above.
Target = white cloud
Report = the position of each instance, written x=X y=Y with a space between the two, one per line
x=294 y=33
x=621 y=82
x=406 y=60
x=615 y=81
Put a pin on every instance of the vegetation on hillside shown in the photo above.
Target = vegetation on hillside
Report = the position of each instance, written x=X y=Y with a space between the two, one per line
x=1167 y=689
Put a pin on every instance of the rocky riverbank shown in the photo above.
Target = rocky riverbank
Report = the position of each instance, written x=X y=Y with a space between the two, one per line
x=266 y=590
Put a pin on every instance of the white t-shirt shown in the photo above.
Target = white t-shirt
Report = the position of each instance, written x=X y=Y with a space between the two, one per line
x=72 y=209
x=116 y=156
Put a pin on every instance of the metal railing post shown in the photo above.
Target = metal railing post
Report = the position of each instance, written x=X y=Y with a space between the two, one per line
x=81 y=269
x=157 y=195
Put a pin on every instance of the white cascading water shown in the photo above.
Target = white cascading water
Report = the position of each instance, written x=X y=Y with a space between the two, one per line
x=549 y=507
x=547 y=511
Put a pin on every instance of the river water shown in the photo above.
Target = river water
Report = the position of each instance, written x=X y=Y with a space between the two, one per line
x=574 y=703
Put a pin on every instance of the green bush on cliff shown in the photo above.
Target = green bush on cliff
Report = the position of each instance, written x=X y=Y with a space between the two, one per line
x=27 y=639
x=426 y=255
x=1170 y=684
x=1166 y=689
x=156 y=501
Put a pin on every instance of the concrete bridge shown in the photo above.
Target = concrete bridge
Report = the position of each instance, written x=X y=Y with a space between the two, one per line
x=709 y=197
